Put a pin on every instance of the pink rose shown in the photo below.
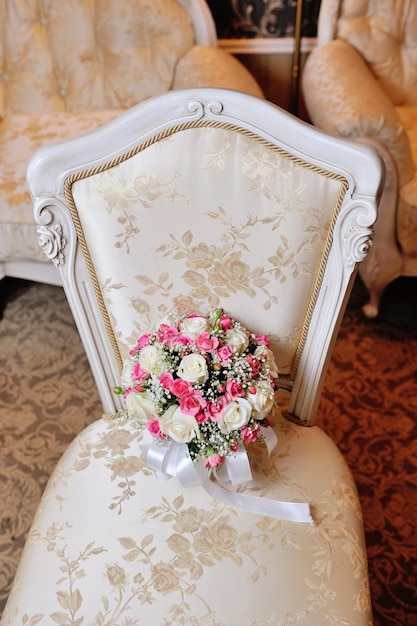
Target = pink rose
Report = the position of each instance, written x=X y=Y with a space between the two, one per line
x=206 y=342
x=201 y=417
x=250 y=434
x=262 y=340
x=213 y=460
x=143 y=340
x=181 y=387
x=225 y=322
x=166 y=379
x=183 y=340
x=224 y=353
x=214 y=409
x=234 y=446
x=254 y=364
x=155 y=429
x=192 y=404
x=138 y=373
x=234 y=390
x=168 y=333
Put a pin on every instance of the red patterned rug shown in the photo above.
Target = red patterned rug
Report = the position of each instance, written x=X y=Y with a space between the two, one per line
x=369 y=408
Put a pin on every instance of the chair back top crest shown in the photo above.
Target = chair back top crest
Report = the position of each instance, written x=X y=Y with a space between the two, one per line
x=201 y=199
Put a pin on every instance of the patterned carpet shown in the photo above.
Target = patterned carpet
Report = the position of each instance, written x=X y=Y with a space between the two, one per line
x=369 y=408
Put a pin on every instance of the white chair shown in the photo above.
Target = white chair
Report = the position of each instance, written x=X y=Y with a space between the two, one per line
x=193 y=200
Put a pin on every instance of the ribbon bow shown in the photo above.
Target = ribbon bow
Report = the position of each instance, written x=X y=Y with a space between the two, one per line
x=174 y=460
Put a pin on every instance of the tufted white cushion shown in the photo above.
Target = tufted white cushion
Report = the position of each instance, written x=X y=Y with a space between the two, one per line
x=99 y=54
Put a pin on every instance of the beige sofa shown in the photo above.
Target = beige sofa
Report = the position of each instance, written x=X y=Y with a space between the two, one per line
x=361 y=82
x=69 y=66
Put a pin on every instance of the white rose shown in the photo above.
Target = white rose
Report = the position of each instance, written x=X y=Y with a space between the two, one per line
x=269 y=357
x=126 y=375
x=150 y=359
x=262 y=400
x=193 y=368
x=193 y=326
x=180 y=426
x=235 y=415
x=238 y=339
x=140 y=406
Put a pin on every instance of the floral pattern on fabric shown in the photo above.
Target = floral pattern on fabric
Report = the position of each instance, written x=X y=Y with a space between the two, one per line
x=169 y=547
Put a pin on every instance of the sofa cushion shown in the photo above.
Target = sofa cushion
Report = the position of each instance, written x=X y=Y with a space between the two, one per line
x=385 y=33
x=20 y=137
x=97 y=54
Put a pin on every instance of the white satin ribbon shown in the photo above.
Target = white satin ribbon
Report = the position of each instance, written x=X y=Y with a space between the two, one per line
x=174 y=460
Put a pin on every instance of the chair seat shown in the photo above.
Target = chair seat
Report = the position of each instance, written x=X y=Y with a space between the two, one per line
x=120 y=546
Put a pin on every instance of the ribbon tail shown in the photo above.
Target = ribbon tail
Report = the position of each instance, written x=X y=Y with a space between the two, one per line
x=291 y=511
x=174 y=460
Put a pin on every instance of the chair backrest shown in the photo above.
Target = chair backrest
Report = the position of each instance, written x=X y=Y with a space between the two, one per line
x=94 y=54
x=384 y=33
x=205 y=198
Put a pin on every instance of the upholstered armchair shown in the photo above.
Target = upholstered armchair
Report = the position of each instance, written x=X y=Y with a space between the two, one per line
x=68 y=67
x=191 y=201
x=361 y=82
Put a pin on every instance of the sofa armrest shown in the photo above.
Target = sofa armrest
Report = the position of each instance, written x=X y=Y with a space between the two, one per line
x=206 y=66
x=343 y=97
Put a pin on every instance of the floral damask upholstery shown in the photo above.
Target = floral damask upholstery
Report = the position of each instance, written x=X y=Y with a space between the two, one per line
x=181 y=205
x=68 y=66
x=360 y=82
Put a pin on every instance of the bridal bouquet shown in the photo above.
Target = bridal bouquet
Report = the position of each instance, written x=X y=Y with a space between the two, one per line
x=203 y=381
